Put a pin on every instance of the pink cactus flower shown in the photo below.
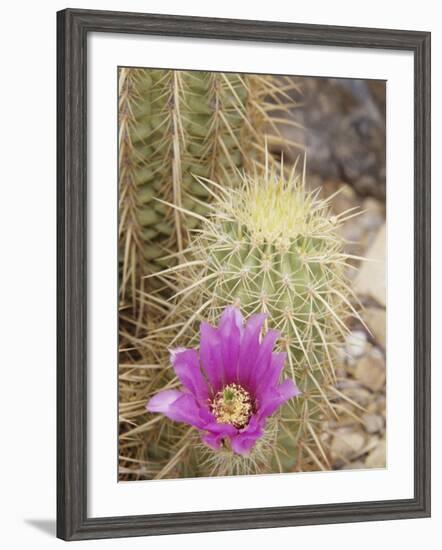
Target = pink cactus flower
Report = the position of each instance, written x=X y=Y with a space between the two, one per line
x=231 y=387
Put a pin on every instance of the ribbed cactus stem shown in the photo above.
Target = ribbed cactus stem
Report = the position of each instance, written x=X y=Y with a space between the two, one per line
x=273 y=246
x=129 y=228
x=175 y=125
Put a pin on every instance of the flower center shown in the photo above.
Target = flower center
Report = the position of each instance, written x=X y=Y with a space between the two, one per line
x=232 y=405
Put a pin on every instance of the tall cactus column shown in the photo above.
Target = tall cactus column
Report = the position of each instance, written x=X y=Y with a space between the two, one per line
x=174 y=125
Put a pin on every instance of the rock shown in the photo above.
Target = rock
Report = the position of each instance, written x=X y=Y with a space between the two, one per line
x=355 y=343
x=371 y=279
x=380 y=404
x=343 y=131
x=356 y=465
x=347 y=444
x=373 y=215
x=377 y=457
x=372 y=443
x=352 y=233
x=359 y=394
x=373 y=423
x=370 y=371
x=345 y=199
x=376 y=320
x=340 y=371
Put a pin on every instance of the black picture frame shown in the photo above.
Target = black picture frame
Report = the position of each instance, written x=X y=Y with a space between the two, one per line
x=73 y=27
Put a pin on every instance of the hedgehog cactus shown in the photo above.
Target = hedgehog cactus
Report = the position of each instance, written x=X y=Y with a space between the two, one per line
x=272 y=246
x=174 y=125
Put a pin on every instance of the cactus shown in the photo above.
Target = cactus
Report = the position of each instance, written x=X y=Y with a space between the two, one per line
x=271 y=245
x=174 y=125
x=178 y=129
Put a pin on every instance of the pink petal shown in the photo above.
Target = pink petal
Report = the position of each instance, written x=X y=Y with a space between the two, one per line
x=187 y=367
x=232 y=316
x=162 y=401
x=210 y=354
x=243 y=442
x=186 y=409
x=249 y=347
x=220 y=428
x=217 y=432
x=263 y=360
x=288 y=389
x=273 y=398
x=230 y=332
x=213 y=440
x=178 y=406
x=270 y=377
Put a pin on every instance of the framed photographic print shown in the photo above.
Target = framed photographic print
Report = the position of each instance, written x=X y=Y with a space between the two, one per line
x=243 y=274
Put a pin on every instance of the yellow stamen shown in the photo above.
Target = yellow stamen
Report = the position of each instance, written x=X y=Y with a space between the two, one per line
x=232 y=405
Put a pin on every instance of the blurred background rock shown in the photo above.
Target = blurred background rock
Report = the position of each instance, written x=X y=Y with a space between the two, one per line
x=343 y=131
x=343 y=134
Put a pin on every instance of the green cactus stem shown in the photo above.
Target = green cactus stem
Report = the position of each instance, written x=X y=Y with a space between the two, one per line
x=271 y=245
x=174 y=125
